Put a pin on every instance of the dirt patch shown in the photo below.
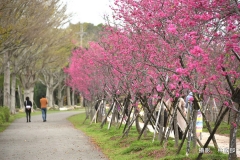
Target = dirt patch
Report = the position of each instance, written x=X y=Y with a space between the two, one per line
x=115 y=138
x=158 y=153
x=124 y=144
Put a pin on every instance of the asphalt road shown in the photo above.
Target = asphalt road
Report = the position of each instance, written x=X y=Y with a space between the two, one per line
x=56 y=139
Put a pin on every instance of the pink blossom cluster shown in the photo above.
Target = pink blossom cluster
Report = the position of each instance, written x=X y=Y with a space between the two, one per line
x=195 y=45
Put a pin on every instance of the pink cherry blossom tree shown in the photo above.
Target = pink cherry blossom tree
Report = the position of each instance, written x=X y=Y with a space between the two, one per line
x=193 y=43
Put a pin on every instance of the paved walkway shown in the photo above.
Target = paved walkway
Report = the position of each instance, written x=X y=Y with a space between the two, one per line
x=55 y=139
x=222 y=142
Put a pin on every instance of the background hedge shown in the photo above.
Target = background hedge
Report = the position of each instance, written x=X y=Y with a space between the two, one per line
x=4 y=114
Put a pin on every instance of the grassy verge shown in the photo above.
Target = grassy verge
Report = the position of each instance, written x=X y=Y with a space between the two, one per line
x=129 y=148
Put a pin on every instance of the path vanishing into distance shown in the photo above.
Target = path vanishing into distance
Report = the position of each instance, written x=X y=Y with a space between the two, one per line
x=56 y=139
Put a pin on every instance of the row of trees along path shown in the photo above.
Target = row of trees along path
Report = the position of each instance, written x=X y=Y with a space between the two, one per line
x=164 y=49
x=31 y=39
x=35 y=45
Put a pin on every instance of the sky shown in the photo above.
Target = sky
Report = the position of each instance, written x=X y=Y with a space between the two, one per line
x=91 y=11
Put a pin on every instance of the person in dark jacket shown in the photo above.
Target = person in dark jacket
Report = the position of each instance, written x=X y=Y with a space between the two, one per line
x=28 y=109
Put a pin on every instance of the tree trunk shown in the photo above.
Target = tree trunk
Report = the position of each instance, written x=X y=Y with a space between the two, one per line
x=173 y=110
x=90 y=111
x=130 y=110
x=137 y=121
x=114 y=113
x=145 y=118
x=28 y=92
x=50 y=89
x=31 y=94
x=150 y=117
x=194 y=120
x=112 y=120
x=215 y=111
x=99 y=115
x=50 y=92
x=105 y=118
x=50 y=97
x=211 y=111
x=73 y=97
x=233 y=133
x=161 y=110
x=47 y=92
x=13 y=97
x=68 y=96
x=130 y=124
x=103 y=111
x=59 y=96
x=20 y=97
x=81 y=100
x=176 y=135
x=190 y=130
x=6 y=93
x=124 y=112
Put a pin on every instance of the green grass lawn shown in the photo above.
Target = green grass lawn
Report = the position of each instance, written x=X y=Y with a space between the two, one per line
x=129 y=148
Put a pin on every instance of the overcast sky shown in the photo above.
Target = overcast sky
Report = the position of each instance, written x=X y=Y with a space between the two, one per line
x=91 y=11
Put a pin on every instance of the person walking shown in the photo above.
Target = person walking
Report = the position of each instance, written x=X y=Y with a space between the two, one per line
x=188 y=104
x=189 y=107
x=180 y=120
x=44 y=102
x=28 y=109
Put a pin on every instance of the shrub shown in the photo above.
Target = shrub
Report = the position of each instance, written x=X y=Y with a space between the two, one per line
x=4 y=114
x=2 y=118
